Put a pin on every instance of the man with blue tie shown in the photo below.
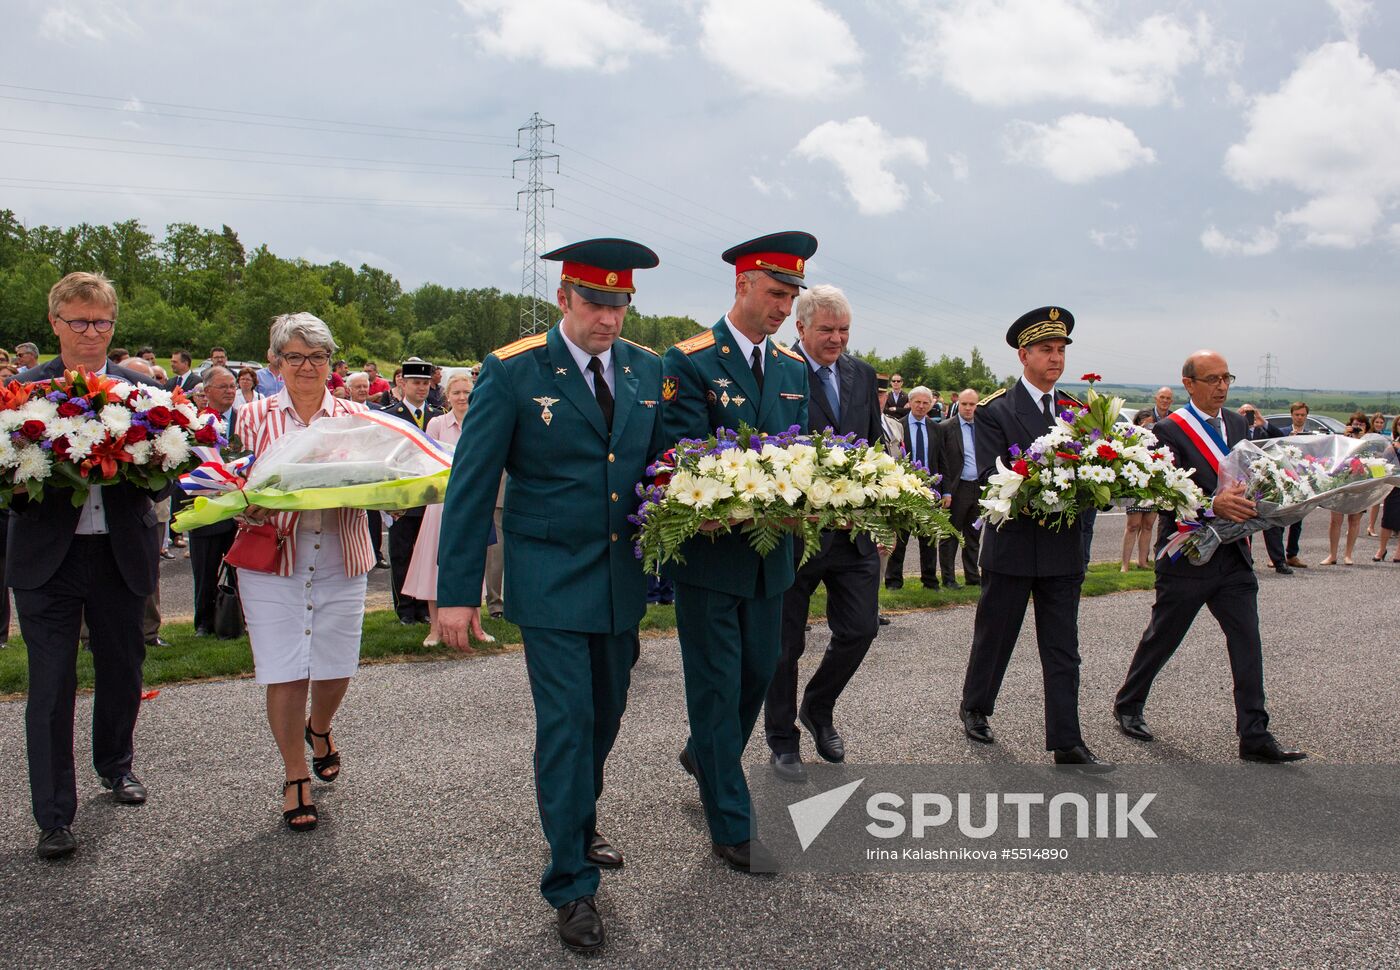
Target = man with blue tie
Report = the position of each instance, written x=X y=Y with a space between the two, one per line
x=957 y=462
x=209 y=543
x=921 y=439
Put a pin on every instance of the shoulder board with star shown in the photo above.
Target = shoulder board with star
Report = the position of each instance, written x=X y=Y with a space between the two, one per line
x=696 y=343
x=791 y=353
x=520 y=346
x=1066 y=396
x=639 y=346
x=991 y=397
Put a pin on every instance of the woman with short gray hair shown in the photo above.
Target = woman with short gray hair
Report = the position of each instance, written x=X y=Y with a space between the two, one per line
x=305 y=615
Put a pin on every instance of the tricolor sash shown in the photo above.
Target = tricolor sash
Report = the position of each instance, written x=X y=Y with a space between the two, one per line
x=1207 y=440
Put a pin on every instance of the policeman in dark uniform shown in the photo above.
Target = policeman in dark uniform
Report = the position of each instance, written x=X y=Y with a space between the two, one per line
x=1025 y=557
x=729 y=600
x=403 y=534
x=573 y=415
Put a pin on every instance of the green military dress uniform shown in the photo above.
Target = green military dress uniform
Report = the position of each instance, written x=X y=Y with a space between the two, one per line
x=572 y=580
x=728 y=598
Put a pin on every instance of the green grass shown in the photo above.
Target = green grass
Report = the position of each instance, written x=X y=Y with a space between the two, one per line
x=200 y=658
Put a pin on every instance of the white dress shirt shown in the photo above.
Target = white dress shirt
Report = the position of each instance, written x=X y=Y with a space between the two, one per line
x=746 y=346
x=582 y=357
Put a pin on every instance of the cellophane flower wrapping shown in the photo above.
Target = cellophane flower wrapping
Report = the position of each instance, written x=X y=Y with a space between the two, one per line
x=768 y=485
x=362 y=460
x=1089 y=459
x=1289 y=477
x=83 y=429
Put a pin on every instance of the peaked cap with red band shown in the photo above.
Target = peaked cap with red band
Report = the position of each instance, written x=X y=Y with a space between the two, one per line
x=782 y=255
x=601 y=269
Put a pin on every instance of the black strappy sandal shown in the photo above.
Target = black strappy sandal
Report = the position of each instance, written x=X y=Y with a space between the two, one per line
x=303 y=817
x=331 y=760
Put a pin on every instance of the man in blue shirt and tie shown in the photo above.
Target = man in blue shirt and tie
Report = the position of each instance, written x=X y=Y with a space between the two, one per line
x=921 y=439
x=957 y=461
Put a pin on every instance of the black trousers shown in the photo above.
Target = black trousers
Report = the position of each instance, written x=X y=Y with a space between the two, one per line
x=963 y=512
x=1228 y=588
x=4 y=587
x=928 y=561
x=1000 y=612
x=852 y=603
x=206 y=553
x=403 y=536
x=1273 y=542
x=376 y=533
x=88 y=583
x=1295 y=532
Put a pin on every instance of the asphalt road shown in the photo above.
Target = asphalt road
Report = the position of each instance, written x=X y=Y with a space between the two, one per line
x=429 y=851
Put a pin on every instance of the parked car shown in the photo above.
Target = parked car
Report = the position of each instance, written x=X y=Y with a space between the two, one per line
x=233 y=365
x=1315 y=424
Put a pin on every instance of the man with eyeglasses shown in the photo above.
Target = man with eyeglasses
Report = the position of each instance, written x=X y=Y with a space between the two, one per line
x=897 y=401
x=1200 y=434
x=98 y=561
x=26 y=356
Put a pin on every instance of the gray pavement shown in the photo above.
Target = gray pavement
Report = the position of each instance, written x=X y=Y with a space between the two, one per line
x=429 y=851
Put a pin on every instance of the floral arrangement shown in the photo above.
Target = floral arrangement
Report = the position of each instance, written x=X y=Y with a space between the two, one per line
x=767 y=485
x=1089 y=459
x=84 y=429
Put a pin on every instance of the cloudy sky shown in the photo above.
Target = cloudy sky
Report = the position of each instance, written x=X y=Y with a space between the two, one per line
x=1177 y=173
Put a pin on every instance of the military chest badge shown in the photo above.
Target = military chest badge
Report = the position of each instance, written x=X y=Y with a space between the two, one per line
x=711 y=397
x=546 y=415
x=737 y=400
x=724 y=399
x=669 y=387
x=722 y=382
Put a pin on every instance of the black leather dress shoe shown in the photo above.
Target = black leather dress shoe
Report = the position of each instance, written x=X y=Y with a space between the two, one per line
x=602 y=854
x=1134 y=726
x=972 y=581
x=828 y=742
x=975 y=726
x=126 y=789
x=1081 y=758
x=951 y=584
x=898 y=585
x=735 y=856
x=580 y=926
x=686 y=763
x=789 y=767
x=1283 y=569
x=882 y=619
x=1270 y=752
x=56 y=843
x=157 y=642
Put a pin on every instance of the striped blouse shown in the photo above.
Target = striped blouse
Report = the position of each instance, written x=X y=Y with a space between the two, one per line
x=262 y=422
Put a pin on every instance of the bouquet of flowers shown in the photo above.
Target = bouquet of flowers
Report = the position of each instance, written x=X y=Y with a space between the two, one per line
x=84 y=429
x=1289 y=477
x=1089 y=459
x=362 y=460
x=768 y=485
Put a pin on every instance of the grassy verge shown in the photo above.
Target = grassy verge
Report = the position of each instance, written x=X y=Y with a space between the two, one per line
x=199 y=658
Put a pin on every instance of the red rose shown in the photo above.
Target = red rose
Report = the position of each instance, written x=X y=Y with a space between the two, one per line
x=60 y=448
x=159 y=416
x=663 y=479
x=32 y=429
x=1107 y=453
x=179 y=418
x=207 y=435
x=1020 y=467
x=69 y=409
x=136 y=433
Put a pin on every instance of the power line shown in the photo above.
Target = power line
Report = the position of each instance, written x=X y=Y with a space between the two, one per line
x=533 y=285
x=169 y=192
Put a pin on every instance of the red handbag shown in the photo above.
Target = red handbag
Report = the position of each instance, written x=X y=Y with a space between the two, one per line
x=257 y=548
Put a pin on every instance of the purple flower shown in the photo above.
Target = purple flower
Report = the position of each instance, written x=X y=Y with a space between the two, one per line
x=57 y=397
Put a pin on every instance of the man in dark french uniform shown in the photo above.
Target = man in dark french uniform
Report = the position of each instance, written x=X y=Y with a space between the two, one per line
x=403 y=534
x=1024 y=557
x=1200 y=435
x=573 y=415
x=729 y=599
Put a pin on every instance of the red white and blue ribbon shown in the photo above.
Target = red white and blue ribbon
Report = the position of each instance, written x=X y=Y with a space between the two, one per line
x=1206 y=439
x=214 y=476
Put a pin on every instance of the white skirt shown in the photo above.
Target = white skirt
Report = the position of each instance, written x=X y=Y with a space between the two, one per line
x=307 y=625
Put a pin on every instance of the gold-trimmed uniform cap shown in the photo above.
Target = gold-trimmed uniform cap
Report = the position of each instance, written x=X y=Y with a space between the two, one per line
x=696 y=343
x=601 y=269
x=416 y=367
x=782 y=255
x=1043 y=323
x=520 y=346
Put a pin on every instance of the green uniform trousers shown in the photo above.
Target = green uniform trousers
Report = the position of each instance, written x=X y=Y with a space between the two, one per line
x=729 y=649
x=579 y=683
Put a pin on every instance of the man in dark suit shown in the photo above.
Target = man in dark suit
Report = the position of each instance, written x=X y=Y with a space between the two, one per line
x=403 y=534
x=921 y=438
x=209 y=543
x=1024 y=557
x=97 y=560
x=184 y=378
x=843 y=398
x=1257 y=429
x=957 y=463
x=1200 y=434
x=897 y=401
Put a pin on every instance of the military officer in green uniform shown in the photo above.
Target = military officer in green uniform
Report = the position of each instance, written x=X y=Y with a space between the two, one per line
x=573 y=416
x=729 y=600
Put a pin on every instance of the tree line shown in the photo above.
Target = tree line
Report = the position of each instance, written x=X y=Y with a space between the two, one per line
x=196 y=288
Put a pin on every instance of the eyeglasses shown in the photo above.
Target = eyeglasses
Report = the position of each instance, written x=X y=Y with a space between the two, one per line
x=1214 y=380
x=318 y=359
x=80 y=326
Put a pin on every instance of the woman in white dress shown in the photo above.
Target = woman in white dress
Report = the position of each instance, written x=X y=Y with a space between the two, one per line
x=305 y=618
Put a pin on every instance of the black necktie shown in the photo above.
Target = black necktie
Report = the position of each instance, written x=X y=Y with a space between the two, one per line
x=756 y=364
x=1045 y=405
x=600 y=390
x=919 y=444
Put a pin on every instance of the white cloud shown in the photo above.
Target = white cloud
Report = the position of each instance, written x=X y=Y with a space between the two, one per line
x=1007 y=52
x=768 y=188
x=788 y=48
x=863 y=151
x=1332 y=132
x=931 y=195
x=1351 y=14
x=957 y=161
x=568 y=34
x=1115 y=240
x=1077 y=148
x=73 y=21
x=1263 y=241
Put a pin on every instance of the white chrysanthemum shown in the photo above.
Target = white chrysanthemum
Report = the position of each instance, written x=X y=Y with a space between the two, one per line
x=140 y=452
x=705 y=466
x=122 y=389
x=10 y=421
x=775 y=456
x=173 y=448
x=785 y=489
x=9 y=454
x=38 y=409
x=1062 y=477
x=731 y=462
x=753 y=485
x=835 y=458
x=151 y=397
x=116 y=418
x=34 y=465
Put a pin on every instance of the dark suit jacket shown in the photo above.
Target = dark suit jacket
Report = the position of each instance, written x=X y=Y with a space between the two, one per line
x=932 y=435
x=860 y=412
x=897 y=405
x=184 y=382
x=42 y=532
x=228 y=525
x=1189 y=456
x=400 y=410
x=1021 y=547
x=950 y=451
x=1266 y=430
